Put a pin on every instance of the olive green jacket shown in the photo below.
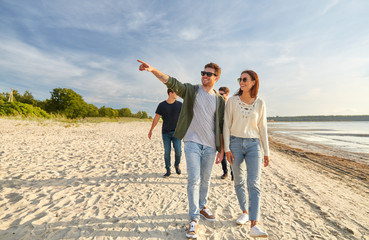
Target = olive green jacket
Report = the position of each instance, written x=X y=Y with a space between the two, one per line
x=189 y=92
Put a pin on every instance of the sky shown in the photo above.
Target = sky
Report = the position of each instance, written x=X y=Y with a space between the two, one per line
x=312 y=57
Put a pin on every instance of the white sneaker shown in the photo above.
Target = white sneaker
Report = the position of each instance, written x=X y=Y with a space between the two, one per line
x=243 y=219
x=192 y=230
x=255 y=231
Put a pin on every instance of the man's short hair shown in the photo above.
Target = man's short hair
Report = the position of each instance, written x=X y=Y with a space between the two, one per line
x=224 y=89
x=170 y=91
x=214 y=66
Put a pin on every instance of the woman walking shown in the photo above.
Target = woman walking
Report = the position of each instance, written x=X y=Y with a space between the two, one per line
x=245 y=140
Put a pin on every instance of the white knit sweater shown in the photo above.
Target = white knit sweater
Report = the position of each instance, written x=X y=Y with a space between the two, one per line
x=245 y=121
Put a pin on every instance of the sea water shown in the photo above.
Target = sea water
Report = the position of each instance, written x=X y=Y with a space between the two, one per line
x=349 y=136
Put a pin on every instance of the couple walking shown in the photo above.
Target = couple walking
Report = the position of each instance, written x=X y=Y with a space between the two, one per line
x=239 y=130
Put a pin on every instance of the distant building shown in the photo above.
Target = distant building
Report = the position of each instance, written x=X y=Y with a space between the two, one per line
x=11 y=97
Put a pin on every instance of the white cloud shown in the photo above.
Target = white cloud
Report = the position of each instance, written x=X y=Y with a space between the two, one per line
x=190 y=34
x=328 y=7
x=24 y=59
x=281 y=60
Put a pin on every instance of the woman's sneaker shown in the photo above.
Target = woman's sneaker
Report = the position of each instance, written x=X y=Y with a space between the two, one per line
x=193 y=229
x=243 y=219
x=255 y=232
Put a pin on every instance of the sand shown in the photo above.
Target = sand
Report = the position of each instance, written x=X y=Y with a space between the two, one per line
x=104 y=181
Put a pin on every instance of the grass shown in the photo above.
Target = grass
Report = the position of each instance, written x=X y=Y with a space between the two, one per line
x=105 y=119
x=77 y=121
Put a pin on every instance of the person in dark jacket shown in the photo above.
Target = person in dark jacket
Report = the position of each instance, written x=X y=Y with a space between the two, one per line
x=200 y=125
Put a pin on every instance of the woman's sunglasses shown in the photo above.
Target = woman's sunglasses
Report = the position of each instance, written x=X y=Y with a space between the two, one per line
x=243 y=79
x=209 y=74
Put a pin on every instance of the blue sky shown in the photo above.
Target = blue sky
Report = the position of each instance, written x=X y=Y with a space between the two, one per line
x=312 y=57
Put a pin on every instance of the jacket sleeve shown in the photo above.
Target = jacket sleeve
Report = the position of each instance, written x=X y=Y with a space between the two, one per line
x=178 y=87
x=222 y=109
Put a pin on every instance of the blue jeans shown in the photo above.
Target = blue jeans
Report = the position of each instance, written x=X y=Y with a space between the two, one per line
x=224 y=165
x=247 y=155
x=167 y=139
x=200 y=160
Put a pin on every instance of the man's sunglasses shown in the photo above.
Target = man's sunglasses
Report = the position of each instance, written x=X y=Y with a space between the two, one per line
x=209 y=74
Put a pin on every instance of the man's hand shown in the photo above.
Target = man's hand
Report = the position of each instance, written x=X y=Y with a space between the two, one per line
x=229 y=157
x=219 y=158
x=150 y=134
x=266 y=161
x=145 y=67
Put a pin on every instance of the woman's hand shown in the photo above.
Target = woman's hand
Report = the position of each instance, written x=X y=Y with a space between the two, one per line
x=266 y=161
x=229 y=157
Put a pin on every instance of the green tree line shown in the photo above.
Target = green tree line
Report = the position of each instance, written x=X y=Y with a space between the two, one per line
x=63 y=102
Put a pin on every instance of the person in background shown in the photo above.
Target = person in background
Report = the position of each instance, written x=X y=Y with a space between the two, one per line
x=169 y=111
x=245 y=140
x=200 y=124
x=224 y=92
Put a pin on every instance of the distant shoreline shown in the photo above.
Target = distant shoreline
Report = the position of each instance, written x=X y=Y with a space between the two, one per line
x=319 y=118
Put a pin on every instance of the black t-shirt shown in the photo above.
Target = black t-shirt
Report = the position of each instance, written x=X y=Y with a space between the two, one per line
x=169 y=114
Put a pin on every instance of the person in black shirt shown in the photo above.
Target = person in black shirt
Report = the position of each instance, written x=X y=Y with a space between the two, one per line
x=224 y=91
x=169 y=111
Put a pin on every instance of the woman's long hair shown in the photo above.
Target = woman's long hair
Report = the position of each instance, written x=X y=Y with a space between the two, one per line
x=254 y=90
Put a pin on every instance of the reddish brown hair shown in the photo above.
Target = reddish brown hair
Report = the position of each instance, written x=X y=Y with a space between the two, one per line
x=255 y=89
x=214 y=66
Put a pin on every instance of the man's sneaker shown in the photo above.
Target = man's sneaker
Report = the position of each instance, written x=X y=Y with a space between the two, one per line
x=243 y=219
x=178 y=170
x=255 y=232
x=224 y=176
x=167 y=174
x=193 y=229
x=206 y=213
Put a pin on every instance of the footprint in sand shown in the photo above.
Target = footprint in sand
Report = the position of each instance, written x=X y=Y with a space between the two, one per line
x=13 y=197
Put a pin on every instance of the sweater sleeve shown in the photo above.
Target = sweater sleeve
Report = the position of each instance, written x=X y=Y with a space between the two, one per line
x=263 y=131
x=228 y=115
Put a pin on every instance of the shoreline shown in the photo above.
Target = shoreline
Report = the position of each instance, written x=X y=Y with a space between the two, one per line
x=295 y=142
x=104 y=181
x=335 y=167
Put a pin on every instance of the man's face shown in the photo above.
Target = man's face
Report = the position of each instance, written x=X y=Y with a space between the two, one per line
x=209 y=81
x=224 y=95
x=173 y=95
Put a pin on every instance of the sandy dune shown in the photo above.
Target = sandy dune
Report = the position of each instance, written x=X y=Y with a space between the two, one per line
x=104 y=181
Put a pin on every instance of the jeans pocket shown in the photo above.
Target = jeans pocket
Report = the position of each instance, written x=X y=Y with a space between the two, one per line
x=186 y=147
x=191 y=147
x=233 y=139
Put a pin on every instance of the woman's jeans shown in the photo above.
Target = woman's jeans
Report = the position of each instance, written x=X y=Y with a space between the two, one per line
x=247 y=155
x=200 y=160
x=167 y=139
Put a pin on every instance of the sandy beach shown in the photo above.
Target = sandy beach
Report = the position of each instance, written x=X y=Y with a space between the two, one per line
x=104 y=181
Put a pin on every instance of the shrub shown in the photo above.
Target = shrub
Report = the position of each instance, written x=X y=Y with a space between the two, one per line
x=21 y=109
